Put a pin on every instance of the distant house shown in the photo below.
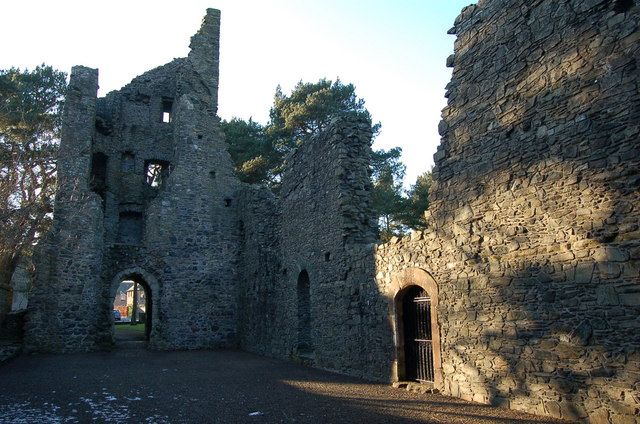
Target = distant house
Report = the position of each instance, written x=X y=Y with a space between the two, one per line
x=120 y=301
x=142 y=303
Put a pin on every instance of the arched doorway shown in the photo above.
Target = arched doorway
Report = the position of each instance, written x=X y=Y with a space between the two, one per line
x=132 y=310
x=418 y=337
x=305 y=344
x=132 y=294
x=417 y=333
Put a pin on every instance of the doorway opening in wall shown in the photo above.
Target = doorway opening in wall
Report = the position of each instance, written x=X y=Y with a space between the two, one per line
x=132 y=311
x=305 y=344
x=418 y=335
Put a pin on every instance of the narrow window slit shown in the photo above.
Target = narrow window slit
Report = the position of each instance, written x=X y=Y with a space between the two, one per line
x=167 y=107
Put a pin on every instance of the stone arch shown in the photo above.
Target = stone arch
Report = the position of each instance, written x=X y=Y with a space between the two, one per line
x=153 y=294
x=401 y=283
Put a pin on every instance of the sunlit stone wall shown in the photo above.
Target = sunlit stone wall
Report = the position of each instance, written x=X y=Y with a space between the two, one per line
x=533 y=238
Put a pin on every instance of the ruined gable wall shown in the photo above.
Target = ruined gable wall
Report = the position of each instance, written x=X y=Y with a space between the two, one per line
x=533 y=236
x=324 y=229
x=180 y=236
x=190 y=238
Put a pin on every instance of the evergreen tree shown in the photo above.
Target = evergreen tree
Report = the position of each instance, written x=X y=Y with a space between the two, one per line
x=387 y=174
x=417 y=202
x=251 y=150
x=30 y=119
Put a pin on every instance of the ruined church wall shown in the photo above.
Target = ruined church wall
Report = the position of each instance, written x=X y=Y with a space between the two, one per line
x=324 y=229
x=62 y=313
x=533 y=234
x=189 y=244
x=111 y=223
x=261 y=295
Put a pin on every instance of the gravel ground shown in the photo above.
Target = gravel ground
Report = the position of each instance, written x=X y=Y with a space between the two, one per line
x=134 y=385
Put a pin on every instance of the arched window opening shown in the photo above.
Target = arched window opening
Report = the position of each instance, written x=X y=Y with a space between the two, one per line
x=305 y=344
x=418 y=335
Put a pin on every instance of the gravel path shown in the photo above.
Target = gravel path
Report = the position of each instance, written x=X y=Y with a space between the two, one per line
x=134 y=385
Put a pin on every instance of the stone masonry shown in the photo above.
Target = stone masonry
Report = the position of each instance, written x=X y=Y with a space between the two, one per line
x=531 y=257
x=146 y=192
x=533 y=234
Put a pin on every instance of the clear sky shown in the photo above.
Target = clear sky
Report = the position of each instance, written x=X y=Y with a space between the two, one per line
x=393 y=51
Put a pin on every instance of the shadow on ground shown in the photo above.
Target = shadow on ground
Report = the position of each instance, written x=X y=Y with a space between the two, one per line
x=141 y=386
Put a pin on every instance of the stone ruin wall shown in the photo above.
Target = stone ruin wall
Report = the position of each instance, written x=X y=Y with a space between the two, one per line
x=533 y=234
x=324 y=227
x=532 y=239
x=62 y=313
x=110 y=224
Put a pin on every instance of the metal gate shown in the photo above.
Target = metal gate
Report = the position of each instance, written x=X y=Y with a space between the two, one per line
x=418 y=339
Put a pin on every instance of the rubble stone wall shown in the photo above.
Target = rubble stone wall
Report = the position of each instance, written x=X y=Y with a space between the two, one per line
x=533 y=234
x=174 y=230
x=323 y=229
x=531 y=255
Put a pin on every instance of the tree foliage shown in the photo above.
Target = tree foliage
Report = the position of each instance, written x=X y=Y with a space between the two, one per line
x=387 y=174
x=30 y=118
x=258 y=151
x=310 y=108
x=251 y=150
x=417 y=202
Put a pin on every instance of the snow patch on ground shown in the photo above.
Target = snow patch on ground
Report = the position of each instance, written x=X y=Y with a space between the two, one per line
x=25 y=413
x=102 y=408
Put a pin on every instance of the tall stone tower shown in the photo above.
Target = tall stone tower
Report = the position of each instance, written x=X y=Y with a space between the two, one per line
x=146 y=192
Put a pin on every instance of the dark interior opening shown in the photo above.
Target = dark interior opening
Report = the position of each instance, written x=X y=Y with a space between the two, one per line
x=621 y=6
x=98 y=181
x=305 y=344
x=418 y=339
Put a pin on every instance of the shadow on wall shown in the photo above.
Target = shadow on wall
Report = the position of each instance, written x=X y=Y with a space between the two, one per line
x=536 y=196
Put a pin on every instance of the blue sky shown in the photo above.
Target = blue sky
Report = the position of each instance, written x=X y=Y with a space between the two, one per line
x=393 y=51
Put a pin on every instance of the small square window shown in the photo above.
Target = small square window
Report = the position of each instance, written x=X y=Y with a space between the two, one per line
x=155 y=172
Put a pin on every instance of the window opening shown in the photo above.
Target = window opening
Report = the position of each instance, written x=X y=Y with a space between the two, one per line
x=156 y=172
x=128 y=162
x=130 y=227
x=167 y=106
x=98 y=180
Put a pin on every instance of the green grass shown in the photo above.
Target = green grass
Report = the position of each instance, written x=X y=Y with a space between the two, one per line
x=125 y=326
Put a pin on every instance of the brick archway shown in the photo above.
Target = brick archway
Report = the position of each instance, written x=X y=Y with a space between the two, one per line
x=402 y=282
